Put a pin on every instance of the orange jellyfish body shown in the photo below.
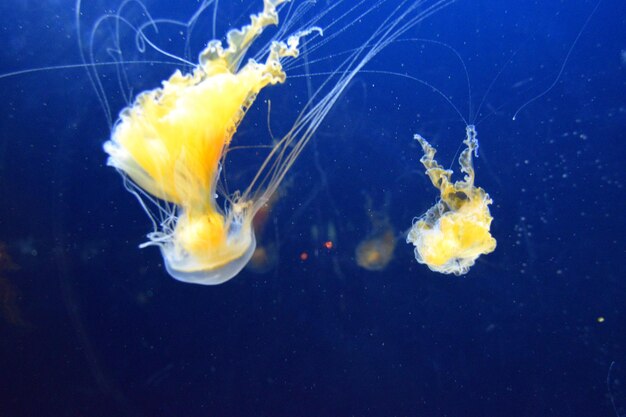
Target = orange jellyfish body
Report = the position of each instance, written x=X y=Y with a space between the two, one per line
x=375 y=252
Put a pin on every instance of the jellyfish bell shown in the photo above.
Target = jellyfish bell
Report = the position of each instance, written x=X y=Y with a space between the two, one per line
x=207 y=248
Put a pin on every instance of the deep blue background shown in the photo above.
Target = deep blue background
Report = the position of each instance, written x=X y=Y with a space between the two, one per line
x=108 y=333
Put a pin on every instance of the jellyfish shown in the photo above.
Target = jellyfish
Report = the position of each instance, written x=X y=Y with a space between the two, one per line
x=453 y=233
x=170 y=143
x=376 y=250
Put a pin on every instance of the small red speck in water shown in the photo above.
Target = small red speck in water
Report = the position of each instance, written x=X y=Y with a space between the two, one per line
x=304 y=256
x=328 y=245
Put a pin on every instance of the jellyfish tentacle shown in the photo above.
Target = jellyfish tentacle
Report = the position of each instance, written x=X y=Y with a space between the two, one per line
x=465 y=159
x=439 y=176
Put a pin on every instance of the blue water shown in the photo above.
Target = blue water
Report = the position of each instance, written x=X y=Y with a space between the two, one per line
x=91 y=325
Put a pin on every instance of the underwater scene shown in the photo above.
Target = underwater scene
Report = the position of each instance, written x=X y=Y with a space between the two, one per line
x=312 y=208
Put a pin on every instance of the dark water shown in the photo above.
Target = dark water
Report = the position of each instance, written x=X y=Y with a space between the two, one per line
x=93 y=326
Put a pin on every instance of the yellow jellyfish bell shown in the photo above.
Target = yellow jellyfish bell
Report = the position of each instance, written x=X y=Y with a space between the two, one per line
x=453 y=233
x=170 y=142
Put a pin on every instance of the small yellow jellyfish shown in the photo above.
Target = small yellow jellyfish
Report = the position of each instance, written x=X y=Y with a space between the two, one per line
x=453 y=233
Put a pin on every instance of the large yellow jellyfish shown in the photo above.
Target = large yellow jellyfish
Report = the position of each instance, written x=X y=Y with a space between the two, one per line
x=170 y=144
x=453 y=233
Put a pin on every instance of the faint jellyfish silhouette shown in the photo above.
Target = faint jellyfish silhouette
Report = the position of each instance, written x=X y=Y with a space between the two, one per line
x=265 y=256
x=375 y=251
